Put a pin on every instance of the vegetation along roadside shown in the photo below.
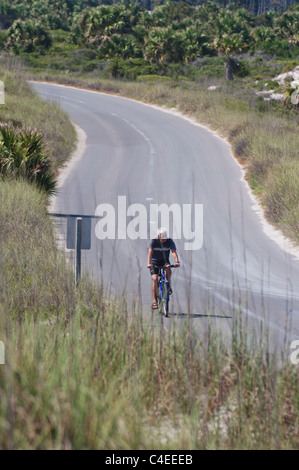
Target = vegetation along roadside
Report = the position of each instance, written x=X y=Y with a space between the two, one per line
x=85 y=371
x=227 y=67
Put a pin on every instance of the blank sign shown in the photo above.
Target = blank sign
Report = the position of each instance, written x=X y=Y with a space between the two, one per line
x=85 y=233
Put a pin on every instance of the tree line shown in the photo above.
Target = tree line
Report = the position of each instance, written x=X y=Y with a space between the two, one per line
x=59 y=11
x=172 y=33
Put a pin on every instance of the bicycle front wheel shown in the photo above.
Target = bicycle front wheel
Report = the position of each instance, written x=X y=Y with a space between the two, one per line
x=158 y=297
x=165 y=302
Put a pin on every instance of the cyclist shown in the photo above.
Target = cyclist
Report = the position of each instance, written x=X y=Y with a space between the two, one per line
x=158 y=256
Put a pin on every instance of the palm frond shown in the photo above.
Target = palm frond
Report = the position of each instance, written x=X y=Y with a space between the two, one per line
x=23 y=155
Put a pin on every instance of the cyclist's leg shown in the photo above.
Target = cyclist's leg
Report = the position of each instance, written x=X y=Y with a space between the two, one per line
x=154 y=275
x=154 y=287
x=168 y=277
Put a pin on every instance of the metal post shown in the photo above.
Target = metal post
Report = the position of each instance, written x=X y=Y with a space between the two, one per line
x=78 y=248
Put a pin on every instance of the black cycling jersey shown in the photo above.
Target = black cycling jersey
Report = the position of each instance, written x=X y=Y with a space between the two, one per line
x=161 y=251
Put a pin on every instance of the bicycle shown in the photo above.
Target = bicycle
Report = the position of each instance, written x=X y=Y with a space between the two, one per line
x=163 y=290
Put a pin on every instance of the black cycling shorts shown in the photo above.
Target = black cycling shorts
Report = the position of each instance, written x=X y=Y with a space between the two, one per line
x=155 y=269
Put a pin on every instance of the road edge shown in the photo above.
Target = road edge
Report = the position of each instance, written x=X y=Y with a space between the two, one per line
x=65 y=170
x=273 y=233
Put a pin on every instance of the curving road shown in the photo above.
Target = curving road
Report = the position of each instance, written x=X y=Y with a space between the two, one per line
x=154 y=157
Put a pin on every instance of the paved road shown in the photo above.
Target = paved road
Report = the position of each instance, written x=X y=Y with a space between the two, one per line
x=154 y=157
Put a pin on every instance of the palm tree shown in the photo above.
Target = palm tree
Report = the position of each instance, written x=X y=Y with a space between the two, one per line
x=28 y=35
x=170 y=12
x=164 y=46
x=229 y=45
x=120 y=46
x=232 y=35
x=262 y=35
x=196 y=43
x=154 y=46
x=23 y=156
x=287 y=25
x=96 y=24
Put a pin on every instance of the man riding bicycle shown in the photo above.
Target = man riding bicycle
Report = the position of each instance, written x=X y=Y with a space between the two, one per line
x=158 y=256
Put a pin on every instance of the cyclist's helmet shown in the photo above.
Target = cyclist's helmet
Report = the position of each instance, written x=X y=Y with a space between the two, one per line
x=162 y=233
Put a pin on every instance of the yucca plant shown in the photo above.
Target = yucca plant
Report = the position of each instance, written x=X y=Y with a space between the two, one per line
x=23 y=156
x=288 y=91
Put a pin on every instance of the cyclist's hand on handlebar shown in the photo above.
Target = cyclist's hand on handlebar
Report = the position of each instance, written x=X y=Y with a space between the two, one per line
x=177 y=264
x=149 y=265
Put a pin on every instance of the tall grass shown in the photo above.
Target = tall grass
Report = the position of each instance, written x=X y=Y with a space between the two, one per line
x=84 y=371
x=33 y=278
x=108 y=383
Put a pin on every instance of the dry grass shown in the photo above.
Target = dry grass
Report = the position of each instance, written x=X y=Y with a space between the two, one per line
x=84 y=371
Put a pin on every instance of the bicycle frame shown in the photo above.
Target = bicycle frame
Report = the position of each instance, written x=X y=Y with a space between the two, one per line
x=161 y=281
x=163 y=298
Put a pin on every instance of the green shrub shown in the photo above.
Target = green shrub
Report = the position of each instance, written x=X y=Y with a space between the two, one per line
x=129 y=69
x=23 y=156
x=3 y=39
x=153 y=78
x=242 y=69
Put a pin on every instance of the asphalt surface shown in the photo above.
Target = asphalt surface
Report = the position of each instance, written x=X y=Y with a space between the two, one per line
x=154 y=157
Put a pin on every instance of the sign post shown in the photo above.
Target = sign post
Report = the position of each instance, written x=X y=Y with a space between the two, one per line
x=78 y=237
x=78 y=248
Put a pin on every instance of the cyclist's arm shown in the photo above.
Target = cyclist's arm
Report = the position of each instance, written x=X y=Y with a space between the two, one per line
x=149 y=257
x=175 y=255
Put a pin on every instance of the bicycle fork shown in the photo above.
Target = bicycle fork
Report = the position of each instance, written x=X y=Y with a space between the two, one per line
x=164 y=297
